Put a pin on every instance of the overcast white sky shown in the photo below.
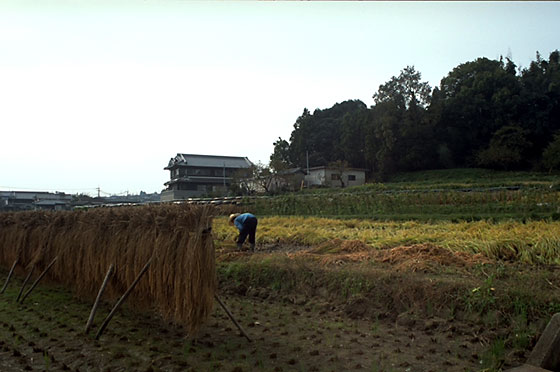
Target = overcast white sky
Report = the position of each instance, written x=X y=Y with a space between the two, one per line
x=105 y=93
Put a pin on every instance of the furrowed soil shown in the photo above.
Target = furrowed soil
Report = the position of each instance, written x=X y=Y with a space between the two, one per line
x=402 y=320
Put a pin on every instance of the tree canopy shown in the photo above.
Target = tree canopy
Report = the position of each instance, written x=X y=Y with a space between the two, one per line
x=485 y=113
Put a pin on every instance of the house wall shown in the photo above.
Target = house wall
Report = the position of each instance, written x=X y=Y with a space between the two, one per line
x=201 y=190
x=290 y=182
x=181 y=171
x=30 y=200
x=360 y=177
x=198 y=181
x=316 y=177
x=324 y=177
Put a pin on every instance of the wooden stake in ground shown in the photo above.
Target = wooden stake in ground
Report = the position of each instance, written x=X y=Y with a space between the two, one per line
x=9 y=275
x=122 y=299
x=96 y=303
x=232 y=318
x=38 y=280
x=25 y=283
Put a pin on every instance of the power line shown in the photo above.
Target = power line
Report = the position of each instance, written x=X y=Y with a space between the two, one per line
x=96 y=190
x=70 y=191
x=15 y=188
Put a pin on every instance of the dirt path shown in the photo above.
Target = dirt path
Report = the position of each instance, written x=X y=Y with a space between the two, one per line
x=46 y=333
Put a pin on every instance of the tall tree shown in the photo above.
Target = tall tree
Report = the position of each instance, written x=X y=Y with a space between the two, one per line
x=261 y=177
x=400 y=125
x=386 y=119
x=280 y=157
x=316 y=137
x=405 y=90
x=540 y=109
x=507 y=149
x=476 y=98
x=352 y=144
x=300 y=138
x=551 y=155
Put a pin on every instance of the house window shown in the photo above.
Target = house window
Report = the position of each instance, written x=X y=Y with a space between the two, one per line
x=335 y=177
x=187 y=186
x=206 y=172
x=351 y=177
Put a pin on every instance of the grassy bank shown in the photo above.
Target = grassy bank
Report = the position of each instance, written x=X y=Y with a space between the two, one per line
x=376 y=289
x=501 y=204
x=452 y=195
x=506 y=306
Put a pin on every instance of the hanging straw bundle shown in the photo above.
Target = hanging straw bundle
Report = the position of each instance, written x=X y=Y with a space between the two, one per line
x=180 y=283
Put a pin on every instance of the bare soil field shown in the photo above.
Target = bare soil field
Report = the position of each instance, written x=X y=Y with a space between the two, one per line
x=291 y=330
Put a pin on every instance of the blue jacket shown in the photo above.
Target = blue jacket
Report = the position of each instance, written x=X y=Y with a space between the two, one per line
x=240 y=220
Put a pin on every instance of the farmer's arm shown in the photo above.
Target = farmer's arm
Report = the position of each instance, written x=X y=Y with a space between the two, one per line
x=238 y=224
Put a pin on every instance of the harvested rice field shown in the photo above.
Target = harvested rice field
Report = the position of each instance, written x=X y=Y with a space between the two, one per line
x=289 y=332
x=357 y=296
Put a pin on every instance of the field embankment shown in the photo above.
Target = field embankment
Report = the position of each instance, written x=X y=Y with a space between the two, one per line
x=452 y=195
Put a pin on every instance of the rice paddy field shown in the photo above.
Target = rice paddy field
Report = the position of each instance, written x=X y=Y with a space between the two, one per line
x=531 y=242
x=433 y=271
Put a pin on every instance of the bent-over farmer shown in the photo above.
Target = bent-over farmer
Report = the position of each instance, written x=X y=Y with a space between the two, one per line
x=246 y=223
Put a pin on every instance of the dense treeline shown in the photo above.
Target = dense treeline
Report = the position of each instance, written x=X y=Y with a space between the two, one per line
x=485 y=113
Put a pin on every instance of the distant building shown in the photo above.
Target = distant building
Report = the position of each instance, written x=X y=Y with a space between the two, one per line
x=85 y=201
x=334 y=177
x=197 y=175
x=34 y=200
x=288 y=180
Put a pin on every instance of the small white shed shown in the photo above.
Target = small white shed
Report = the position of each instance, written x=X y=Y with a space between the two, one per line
x=335 y=177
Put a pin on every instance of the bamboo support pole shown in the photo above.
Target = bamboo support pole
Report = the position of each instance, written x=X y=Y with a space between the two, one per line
x=232 y=318
x=25 y=283
x=122 y=299
x=9 y=275
x=38 y=280
x=96 y=303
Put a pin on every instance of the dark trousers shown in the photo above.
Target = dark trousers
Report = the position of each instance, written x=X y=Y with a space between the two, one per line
x=249 y=228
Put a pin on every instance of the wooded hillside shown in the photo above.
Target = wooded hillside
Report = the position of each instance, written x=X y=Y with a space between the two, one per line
x=485 y=113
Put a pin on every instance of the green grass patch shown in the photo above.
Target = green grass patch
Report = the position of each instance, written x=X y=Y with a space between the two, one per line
x=509 y=290
x=460 y=194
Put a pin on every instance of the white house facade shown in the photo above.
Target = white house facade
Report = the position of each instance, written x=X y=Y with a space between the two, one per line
x=334 y=177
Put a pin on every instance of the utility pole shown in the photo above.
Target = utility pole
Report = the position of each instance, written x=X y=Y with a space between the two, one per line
x=98 y=192
x=306 y=179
